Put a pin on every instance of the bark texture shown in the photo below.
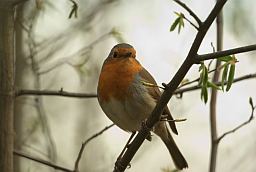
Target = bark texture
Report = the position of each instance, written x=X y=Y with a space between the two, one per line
x=7 y=95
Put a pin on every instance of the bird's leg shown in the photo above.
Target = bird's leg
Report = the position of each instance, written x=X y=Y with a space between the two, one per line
x=143 y=125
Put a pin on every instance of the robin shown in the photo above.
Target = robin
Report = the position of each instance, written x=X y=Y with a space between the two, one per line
x=128 y=101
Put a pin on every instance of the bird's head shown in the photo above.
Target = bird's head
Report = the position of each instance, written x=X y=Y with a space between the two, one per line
x=122 y=50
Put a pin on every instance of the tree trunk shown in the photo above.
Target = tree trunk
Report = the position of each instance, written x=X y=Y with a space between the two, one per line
x=19 y=80
x=7 y=94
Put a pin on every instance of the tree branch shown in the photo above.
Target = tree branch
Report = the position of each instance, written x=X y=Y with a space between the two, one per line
x=196 y=87
x=168 y=92
x=199 y=22
x=225 y=53
x=57 y=167
x=61 y=92
x=41 y=161
x=239 y=126
x=94 y=95
x=85 y=143
x=214 y=95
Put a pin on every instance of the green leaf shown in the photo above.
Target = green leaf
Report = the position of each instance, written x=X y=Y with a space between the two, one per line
x=200 y=79
x=203 y=75
x=201 y=66
x=224 y=76
x=178 y=14
x=231 y=76
x=204 y=83
x=212 y=85
x=225 y=58
x=181 y=23
x=175 y=23
x=204 y=94
x=205 y=79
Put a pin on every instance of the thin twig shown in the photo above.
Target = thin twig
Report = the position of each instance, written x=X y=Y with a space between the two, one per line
x=199 y=22
x=42 y=116
x=147 y=84
x=61 y=92
x=213 y=50
x=57 y=167
x=74 y=9
x=81 y=52
x=197 y=79
x=190 y=22
x=174 y=120
x=192 y=88
x=251 y=117
x=188 y=83
x=85 y=143
x=41 y=161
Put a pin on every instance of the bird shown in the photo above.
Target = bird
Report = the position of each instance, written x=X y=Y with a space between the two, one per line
x=127 y=101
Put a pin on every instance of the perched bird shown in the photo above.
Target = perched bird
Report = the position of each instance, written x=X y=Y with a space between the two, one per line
x=128 y=102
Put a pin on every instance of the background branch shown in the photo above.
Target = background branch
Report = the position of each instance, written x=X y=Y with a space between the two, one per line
x=213 y=101
x=85 y=143
x=57 y=167
x=41 y=161
x=199 y=22
x=239 y=126
x=61 y=92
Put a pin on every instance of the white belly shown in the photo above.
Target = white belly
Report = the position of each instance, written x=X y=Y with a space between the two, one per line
x=130 y=114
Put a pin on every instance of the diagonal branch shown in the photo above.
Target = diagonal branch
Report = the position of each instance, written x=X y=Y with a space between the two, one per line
x=41 y=161
x=57 y=167
x=85 y=143
x=170 y=88
x=199 y=22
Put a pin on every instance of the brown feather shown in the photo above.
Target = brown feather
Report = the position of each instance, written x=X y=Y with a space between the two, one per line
x=155 y=93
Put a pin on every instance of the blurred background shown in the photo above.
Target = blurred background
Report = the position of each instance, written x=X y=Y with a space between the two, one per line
x=55 y=52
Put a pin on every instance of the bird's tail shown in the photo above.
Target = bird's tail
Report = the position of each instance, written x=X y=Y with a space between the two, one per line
x=178 y=159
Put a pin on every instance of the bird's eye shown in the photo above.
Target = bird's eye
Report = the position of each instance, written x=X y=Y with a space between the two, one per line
x=129 y=54
x=115 y=54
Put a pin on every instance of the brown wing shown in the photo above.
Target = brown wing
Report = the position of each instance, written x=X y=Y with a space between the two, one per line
x=155 y=93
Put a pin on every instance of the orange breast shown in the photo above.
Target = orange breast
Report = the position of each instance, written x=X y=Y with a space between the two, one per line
x=115 y=78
